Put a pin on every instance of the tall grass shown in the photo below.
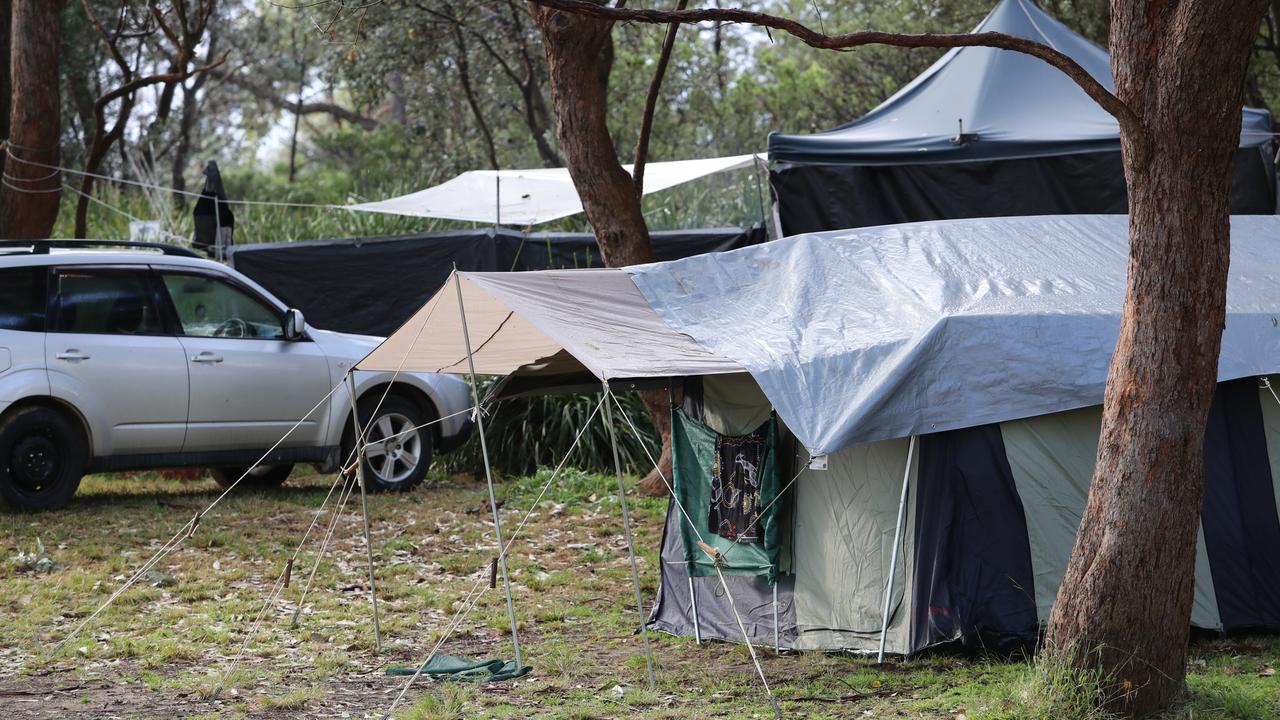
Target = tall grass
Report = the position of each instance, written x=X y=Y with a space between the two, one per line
x=527 y=433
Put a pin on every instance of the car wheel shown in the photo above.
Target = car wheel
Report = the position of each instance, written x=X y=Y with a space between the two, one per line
x=262 y=476
x=43 y=455
x=398 y=447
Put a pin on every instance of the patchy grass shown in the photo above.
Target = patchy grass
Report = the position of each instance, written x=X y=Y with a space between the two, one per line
x=166 y=646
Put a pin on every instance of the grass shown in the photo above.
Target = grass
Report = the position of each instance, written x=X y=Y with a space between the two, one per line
x=165 y=647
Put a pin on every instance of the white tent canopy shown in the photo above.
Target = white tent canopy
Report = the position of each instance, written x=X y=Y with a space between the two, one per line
x=532 y=197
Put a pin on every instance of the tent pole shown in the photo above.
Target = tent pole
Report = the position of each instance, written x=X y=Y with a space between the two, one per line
x=777 y=643
x=755 y=166
x=364 y=506
x=626 y=526
x=497 y=201
x=897 y=536
x=693 y=602
x=488 y=471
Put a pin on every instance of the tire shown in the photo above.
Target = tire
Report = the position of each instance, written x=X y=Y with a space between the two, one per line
x=409 y=459
x=43 y=456
x=262 y=476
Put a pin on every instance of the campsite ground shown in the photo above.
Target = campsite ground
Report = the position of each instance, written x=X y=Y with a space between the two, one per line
x=164 y=646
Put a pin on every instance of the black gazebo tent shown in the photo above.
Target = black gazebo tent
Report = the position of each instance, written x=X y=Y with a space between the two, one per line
x=984 y=133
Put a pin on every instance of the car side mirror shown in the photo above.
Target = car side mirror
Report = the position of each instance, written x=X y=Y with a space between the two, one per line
x=294 y=324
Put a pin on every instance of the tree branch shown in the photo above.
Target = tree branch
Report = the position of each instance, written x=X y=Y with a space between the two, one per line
x=1129 y=121
x=172 y=77
x=651 y=102
x=298 y=107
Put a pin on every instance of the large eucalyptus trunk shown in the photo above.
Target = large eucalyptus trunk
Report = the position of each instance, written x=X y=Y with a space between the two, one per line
x=1124 y=606
x=30 y=193
x=579 y=54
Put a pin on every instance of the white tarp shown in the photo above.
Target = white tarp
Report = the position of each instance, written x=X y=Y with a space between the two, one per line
x=531 y=197
x=884 y=332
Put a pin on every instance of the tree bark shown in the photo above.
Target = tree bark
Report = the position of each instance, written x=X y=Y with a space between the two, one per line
x=30 y=193
x=579 y=53
x=5 y=93
x=1124 y=605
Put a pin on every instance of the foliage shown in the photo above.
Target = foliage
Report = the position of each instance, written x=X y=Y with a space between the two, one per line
x=524 y=434
x=396 y=71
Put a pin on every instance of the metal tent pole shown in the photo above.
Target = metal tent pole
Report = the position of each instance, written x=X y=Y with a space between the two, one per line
x=777 y=643
x=755 y=171
x=631 y=549
x=693 y=603
x=488 y=472
x=364 y=506
x=897 y=535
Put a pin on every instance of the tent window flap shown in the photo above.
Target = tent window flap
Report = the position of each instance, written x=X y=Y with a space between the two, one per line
x=727 y=486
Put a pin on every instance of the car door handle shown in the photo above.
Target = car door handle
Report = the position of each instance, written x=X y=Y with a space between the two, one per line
x=71 y=354
x=206 y=357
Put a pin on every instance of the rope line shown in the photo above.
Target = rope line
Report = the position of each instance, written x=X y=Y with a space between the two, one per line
x=278 y=587
x=416 y=428
x=505 y=550
x=760 y=513
x=465 y=609
x=1266 y=383
x=42 y=178
x=732 y=606
x=175 y=191
x=28 y=191
x=183 y=533
x=348 y=485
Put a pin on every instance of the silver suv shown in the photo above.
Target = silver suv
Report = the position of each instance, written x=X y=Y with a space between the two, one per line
x=126 y=360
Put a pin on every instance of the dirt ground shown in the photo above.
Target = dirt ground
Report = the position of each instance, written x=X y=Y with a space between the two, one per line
x=166 y=647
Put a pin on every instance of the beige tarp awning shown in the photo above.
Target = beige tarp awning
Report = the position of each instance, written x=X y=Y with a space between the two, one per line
x=552 y=322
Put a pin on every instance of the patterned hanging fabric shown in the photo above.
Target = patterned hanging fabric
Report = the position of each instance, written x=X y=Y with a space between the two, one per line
x=735 y=486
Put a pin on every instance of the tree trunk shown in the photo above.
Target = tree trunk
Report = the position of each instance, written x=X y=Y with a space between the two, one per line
x=579 y=54
x=30 y=194
x=1124 y=606
x=5 y=94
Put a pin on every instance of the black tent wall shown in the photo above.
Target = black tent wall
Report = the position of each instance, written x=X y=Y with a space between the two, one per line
x=973 y=580
x=817 y=197
x=372 y=285
x=1241 y=527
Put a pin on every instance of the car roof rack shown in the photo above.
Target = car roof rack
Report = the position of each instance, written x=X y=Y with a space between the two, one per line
x=42 y=247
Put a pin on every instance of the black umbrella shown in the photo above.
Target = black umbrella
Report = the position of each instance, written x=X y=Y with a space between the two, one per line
x=212 y=216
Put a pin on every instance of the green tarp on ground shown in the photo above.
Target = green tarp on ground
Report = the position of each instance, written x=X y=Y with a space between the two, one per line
x=450 y=667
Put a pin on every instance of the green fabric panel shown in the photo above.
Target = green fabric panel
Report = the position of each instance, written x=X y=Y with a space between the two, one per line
x=1271 y=424
x=846 y=517
x=733 y=404
x=1052 y=458
x=693 y=456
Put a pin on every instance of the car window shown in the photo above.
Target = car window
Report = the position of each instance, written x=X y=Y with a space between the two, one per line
x=209 y=307
x=22 y=298
x=107 y=302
